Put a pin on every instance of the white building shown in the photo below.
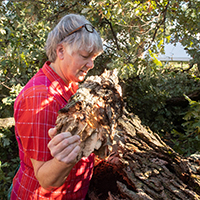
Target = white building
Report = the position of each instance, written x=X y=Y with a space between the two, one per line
x=174 y=53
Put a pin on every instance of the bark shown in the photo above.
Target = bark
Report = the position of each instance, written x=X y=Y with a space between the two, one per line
x=132 y=161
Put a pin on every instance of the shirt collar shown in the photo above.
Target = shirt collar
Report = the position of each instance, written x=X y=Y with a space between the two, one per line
x=65 y=91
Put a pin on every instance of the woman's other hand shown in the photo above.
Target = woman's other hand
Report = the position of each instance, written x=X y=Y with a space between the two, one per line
x=63 y=146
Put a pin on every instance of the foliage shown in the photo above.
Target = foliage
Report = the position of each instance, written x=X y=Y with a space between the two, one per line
x=133 y=30
x=22 y=47
x=188 y=142
x=147 y=96
x=7 y=106
x=9 y=159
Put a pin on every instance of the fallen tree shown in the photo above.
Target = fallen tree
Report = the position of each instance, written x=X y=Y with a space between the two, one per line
x=132 y=161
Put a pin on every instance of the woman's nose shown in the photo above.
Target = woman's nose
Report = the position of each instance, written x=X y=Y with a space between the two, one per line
x=90 y=63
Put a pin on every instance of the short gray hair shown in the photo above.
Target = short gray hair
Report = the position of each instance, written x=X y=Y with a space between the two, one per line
x=80 y=40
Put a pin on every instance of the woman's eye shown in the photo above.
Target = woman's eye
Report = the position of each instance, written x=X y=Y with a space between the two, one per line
x=83 y=56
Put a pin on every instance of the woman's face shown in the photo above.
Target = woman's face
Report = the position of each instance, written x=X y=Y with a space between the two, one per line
x=75 y=67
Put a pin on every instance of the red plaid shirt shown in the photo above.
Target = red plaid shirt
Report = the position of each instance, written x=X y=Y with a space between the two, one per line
x=35 y=112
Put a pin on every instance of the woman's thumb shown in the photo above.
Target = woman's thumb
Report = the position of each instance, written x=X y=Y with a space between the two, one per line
x=52 y=132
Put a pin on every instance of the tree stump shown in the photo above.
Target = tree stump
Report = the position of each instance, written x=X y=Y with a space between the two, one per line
x=132 y=161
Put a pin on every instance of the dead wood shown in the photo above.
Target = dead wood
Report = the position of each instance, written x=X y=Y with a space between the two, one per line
x=7 y=122
x=133 y=162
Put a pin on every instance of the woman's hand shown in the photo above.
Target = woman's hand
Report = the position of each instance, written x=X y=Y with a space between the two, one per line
x=63 y=146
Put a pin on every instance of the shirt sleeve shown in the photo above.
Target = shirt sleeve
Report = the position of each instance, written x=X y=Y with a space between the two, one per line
x=35 y=114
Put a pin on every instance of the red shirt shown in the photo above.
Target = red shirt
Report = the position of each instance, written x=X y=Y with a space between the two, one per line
x=35 y=112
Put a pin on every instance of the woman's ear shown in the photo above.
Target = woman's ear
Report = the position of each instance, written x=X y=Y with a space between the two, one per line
x=60 y=50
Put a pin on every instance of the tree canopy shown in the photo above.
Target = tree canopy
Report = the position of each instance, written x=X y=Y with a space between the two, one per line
x=128 y=28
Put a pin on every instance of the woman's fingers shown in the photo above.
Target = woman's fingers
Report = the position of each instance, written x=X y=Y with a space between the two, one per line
x=59 y=138
x=72 y=156
x=65 y=147
x=69 y=154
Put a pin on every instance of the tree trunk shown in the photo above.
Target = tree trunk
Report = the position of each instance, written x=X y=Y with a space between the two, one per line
x=132 y=161
x=182 y=101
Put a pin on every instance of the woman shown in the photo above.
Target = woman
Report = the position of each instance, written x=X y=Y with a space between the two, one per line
x=47 y=161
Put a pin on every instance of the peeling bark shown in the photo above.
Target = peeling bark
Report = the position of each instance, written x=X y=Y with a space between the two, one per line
x=133 y=162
